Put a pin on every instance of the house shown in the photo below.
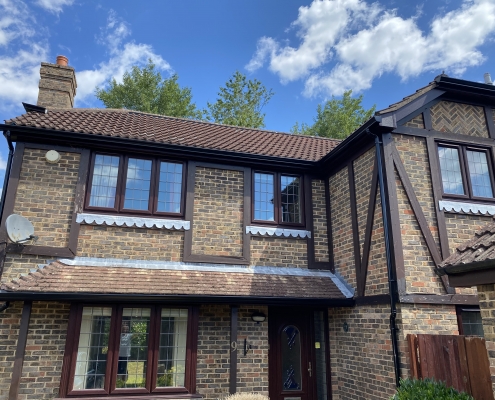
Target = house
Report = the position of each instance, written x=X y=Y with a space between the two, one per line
x=182 y=259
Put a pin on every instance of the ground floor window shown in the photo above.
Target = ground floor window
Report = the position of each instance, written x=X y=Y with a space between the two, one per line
x=469 y=321
x=118 y=349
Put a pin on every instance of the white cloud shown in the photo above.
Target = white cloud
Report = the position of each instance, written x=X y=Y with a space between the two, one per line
x=54 y=6
x=3 y=165
x=346 y=44
x=122 y=57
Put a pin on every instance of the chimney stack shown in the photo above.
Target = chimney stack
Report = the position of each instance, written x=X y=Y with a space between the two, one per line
x=58 y=84
x=488 y=78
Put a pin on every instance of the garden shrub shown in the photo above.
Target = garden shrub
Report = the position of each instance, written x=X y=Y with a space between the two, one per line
x=246 y=396
x=427 y=389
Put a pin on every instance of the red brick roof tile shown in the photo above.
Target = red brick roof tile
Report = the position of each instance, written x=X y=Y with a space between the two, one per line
x=178 y=131
x=61 y=278
x=480 y=248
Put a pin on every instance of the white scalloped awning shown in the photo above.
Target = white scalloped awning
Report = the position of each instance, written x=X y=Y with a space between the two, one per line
x=466 y=208
x=132 y=222
x=263 y=230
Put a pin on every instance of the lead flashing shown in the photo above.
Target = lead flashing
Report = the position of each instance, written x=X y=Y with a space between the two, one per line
x=137 y=222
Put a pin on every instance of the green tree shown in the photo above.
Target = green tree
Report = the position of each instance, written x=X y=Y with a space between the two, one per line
x=240 y=103
x=143 y=89
x=338 y=118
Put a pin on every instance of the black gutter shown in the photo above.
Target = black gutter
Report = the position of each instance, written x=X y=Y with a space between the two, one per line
x=463 y=268
x=7 y=171
x=41 y=135
x=144 y=298
x=392 y=281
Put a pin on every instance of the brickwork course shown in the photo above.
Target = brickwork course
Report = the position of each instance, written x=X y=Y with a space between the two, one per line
x=45 y=195
x=486 y=295
x=464 y=119
x=130 y=243
x=218 y=212
x=279 y=252
x=57 y=86
x=319 y=220
x=17 y=265
x=10 y=322
x=416 y=122
x=343 y=246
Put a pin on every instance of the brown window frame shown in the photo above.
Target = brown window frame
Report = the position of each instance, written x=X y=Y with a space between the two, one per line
x=118 y=207
x=466 y=177
x=110 y=390
x=278 y=200
x=459 y=310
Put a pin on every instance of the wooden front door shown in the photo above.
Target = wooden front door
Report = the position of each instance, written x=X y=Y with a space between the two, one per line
x=293 y=370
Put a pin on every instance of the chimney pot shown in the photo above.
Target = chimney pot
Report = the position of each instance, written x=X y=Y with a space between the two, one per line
x=62 y=60
x=488 y=79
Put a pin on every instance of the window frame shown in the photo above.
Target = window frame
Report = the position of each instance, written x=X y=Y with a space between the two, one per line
x=118 y=206
x=469 y=308
x=278 y=200
x=465 y=173
x=110 y=390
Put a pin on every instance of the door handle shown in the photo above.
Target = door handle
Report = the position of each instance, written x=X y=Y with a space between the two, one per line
x=309 y=369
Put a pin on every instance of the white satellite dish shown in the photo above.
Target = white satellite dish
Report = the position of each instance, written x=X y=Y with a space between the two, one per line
x=19 y=229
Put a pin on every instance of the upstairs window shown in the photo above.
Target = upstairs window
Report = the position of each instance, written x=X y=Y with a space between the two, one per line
x=277 y=199
x=136 y=185
x=466 y=172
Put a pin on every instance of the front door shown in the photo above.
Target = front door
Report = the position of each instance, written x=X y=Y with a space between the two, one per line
x=297 y=357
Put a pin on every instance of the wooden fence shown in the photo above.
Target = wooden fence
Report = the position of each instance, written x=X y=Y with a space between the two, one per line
x=459 y=361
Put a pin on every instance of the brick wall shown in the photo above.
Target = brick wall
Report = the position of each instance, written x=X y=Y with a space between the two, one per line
x=44 y=349
x=429 y=318
x=343 y=247
x=319 y=220
x=361 y=359
x=20 y=264
x=419 y=266
x=57 y=86
x=464 y=119
x=213 y=368
x=10 y=321
x=486 y=295
x=218 y=212
x=416 y=122
x=130 y=243
x=45 y=195
x=279 y=252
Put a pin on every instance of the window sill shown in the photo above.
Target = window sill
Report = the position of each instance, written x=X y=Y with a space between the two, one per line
x=464 y=207
x=132 y=222
x=135 y=397
x=279 y=232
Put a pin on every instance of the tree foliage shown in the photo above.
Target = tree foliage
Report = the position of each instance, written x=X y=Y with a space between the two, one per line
x=240 y=103
x=143 y=89
x=338 y=118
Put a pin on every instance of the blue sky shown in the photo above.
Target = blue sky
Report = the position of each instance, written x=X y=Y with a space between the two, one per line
x=306 y=51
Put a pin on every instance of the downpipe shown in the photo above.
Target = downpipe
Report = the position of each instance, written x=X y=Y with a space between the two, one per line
x=392 y=282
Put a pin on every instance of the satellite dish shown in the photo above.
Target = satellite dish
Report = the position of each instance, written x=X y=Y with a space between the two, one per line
x=19 y=229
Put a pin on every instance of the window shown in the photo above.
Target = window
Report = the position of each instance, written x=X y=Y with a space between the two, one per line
x=131 y=350
x=277 y=198
x=135 y=185
x=469 y=321
x=466 y=172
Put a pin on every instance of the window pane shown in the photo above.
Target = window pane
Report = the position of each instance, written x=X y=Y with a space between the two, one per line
x=104 y=184
x=451 y=170
x=137 y=187
x=264 y=207
x=471 y=323
x=133 y=348
x=172 y=352
x=479 y=174
x=290 y=189
x=92 y=350
x=291 y=358
x=170 y=187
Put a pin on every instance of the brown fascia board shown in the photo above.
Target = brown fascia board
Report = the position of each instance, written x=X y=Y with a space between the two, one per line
x=179 y=299
x=457 y=269
x=469 y=87
x=37 y=135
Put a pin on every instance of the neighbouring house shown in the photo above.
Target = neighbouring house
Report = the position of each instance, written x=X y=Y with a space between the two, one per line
x=183 y=259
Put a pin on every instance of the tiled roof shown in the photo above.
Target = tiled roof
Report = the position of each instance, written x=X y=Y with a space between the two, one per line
x=61 y=278
x=408 y=99
x=480 y=248
x=178 y=131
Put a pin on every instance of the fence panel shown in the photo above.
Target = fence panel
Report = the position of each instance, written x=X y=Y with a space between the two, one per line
x=459 y=361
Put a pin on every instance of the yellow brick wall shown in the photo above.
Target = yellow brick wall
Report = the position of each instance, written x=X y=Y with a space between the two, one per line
x=464 y=119
x=320 y=220
x=279 y=252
